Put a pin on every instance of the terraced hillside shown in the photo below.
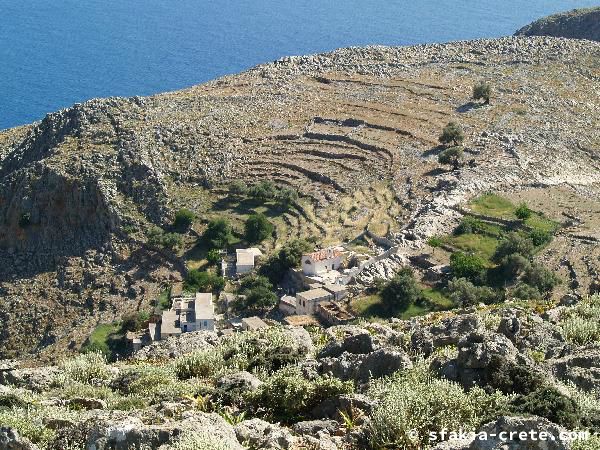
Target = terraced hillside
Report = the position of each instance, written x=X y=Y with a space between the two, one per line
x=354 y=131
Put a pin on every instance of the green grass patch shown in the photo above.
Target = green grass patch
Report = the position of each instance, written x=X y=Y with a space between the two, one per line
x=437 y=298
x=540 y=222
x=493 y=205
x=370 y=306
x=481 y=245
x=106 y=338
x=163 y=303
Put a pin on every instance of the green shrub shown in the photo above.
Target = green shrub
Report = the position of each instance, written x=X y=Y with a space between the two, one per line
x=523 y=212
x=401 y=292
x=482 y=91
x=263 y=191
x=548 y=402
x=523 y=291
x=287 y=257
x=196 y=441
x=184 y=219
x=468 y=225
x=287 y=197
x=435 y=241
x=238 y=187
x=267 y=349
x=257 y=228
x=288 y=396
x=580 y=324
x=213 y=256
x=467 y=266
x=157 y=236
x=511 y=378
x=199 y=281
x=513 y=266
x=539 y=237
x=89 y=368
x=463 y=293
x=416 y=400
x=29 y=423
x=218 y=234
x=199 y=364
x=452 y=133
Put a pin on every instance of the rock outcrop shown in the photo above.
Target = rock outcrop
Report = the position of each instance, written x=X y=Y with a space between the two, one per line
x=575 y=24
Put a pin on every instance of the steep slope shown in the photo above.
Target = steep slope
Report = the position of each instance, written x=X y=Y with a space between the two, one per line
x=575 y=24
x=336 y=126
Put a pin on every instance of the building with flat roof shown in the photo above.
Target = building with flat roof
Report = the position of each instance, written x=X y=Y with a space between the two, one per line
x=253 y=323
x=287 y=305
x=190 y=313
x=245 y=259
x=307 y=301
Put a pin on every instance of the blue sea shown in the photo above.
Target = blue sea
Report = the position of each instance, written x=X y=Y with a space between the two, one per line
x=58 y=52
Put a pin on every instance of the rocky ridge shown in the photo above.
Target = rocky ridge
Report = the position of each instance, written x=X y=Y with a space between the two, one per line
x=575 y=24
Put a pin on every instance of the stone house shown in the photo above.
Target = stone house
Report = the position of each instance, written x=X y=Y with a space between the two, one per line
x=253 y=323
x=333 y=313
x=306 y=302
x=321 y=261
x=188 y=314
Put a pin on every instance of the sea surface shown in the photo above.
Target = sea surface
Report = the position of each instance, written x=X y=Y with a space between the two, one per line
x=59 y=52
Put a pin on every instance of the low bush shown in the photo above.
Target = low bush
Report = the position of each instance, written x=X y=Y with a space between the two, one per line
x=199 y=281
x=523 y=212
x=184 y=219
x=511 y=378
x=416 y=400
x=199 y=364
x=468 y=225
x=88 y=368
x=257 y=228
x=580 y=324
x=463 y=293
x=196 y=441
x=288 y=396
x=550 y=403
x=515 y=243
x=218 y=233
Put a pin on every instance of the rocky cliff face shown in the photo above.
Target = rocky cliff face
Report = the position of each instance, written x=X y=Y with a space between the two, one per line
x=336 y=127
x=575 y=24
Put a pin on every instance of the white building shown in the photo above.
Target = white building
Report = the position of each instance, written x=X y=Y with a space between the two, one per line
x=246 y=259
x=188 y=314
x=321 y=261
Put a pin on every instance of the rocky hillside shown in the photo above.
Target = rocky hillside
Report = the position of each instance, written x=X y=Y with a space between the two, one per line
x=355 y=131
x=575 y=24
x=396 y=385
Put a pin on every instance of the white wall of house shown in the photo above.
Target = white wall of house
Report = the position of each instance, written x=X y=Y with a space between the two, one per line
x=312 y=266
x=306 y=302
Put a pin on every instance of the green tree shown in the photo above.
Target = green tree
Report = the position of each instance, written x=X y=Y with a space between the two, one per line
x=452 y=134
x=157 y=236
x=401 y=292
x=287 y=257
x=219 y=233
x=451 y=157
x=184 y=219
x=213 y=256
x=467 y=266
x=541 y=278
x=203 y=281
x=287 y=197
x=540 y=237
x=258 y=228
x=514 y=243
x=463 y=293
x=482 y=91
x=523 y=212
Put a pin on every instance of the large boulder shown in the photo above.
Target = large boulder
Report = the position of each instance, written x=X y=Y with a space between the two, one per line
x=175 y=346
x=362 y=367
x=448 y=332
x=125 y=432
x=37 y=379
x=258 y=433
x=11 y=440
x=581 y=367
